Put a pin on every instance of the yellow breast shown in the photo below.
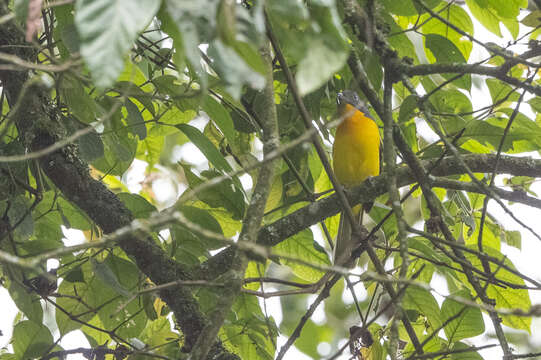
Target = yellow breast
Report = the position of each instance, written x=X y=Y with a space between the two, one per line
x=356 y=149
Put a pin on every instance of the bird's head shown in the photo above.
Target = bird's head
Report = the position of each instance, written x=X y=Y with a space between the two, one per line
x=349 y=97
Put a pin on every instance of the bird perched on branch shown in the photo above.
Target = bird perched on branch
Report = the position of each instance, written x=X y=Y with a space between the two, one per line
x=356 y=156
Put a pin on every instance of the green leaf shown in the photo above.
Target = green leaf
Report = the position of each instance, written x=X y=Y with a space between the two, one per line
x=136 y=123
x=226 y=22
x=107 y=276
x=95 y=337
x=303 y=247
x=189 y=25
x=321 y=62
x=202 y=218
x=159 y=336
x=500 y=91
x=326 y=51
x=407 y=109
x=138 y=205
x=47 y=234
x=490 y=135
x=446 y=52
x=132 y=73
x=131 y=90
x=470 y=322
x=374 y=69
x=148 y=305
x=407 y=7
x=455 y=15
x=316 y=44
x=218 y=113
x=275 y=194
x=509 y=9
x=314 y=333
x=410 y=134
x=451 y=101
x=72 y=303
x=119 y=153
x=290 y=11
x=74 y=216
x=399 y=41
x=65 y=33
x=535 y=103
x=8 y=356
x=189 y=246
x=31 y=340
x=512 y=25
x=17 y=170
x=79 y=102
x=422 y=301
x=464 y=355
x=513 y=238
x=96 y=297
x=485 y=15
x=251 y=334
x=389 y=226
x=223 y=194
x=533 y=19
x=107 y=29
x=522 y=129
x=424 y=247
x=20 y=217
x=152 y=148
x=505 y=297
x=75 y=275
x=489 y=236
x=207 y=148
x=229 y=226
x=70 y=42
x=169 y=85
x=26 y=301
x=131 y=320
x=172 y=116
x=90 y=146
x=250 y=55
x=119 y=144
x=233 y=69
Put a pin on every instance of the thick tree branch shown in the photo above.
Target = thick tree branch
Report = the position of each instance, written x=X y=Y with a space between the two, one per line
x=301 y=219
x=39 y=125
x=313 y=213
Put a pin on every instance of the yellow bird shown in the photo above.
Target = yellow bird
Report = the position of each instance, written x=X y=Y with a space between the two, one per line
x=356 y=156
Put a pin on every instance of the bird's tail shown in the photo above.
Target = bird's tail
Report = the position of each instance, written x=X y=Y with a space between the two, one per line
x=345 y=242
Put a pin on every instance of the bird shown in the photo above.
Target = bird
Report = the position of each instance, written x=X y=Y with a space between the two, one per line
x=356 y=157
x=360 y=342
x=44 y=284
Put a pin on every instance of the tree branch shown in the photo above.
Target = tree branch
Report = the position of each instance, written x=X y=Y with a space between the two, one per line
x=498 y=72
x=233 y=278
x=281 y=229
x=305 y=217
x=38 y=123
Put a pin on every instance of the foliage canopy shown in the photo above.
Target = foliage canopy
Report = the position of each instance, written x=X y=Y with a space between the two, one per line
x=183 y=261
